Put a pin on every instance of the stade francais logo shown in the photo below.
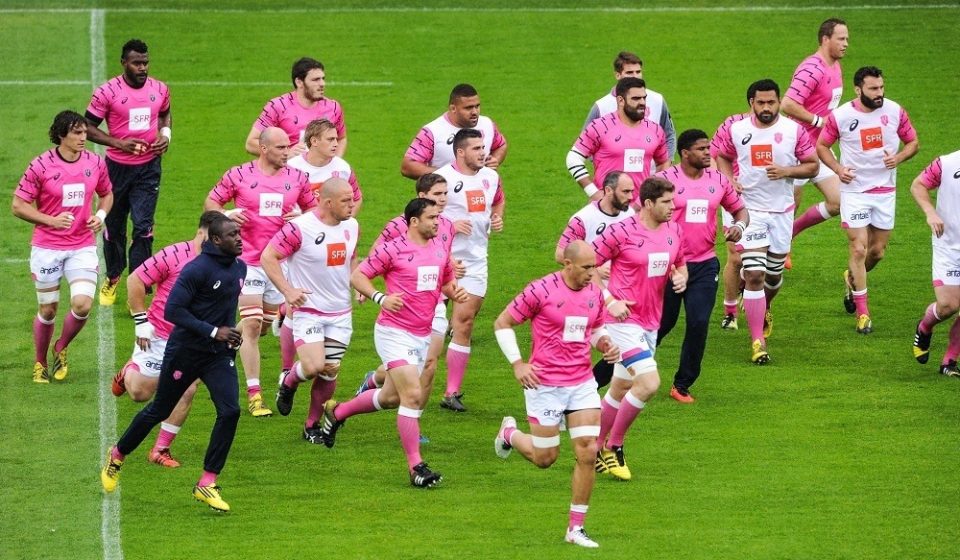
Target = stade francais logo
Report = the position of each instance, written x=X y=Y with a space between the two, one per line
x=957 y=174
x=746 y=139
x=286 y=186
x=458 y=187
x=87 y=172
x=320 y=238
x=854 y=125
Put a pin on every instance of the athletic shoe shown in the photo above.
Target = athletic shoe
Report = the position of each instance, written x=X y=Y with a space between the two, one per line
x=365 y=385
x=759 y=355
x=848 y=303
x=729 y=322
x=921 y=346
x=681 y=395
x=277 y=323
x=422 y=477
x=620 y=469
x=117 y=387
x=950 y=369
x=210 y=495
x=40 y=373
x=501 y=446
x=312 y=434
x=576 y=535
x=328 y=432
x=424 y=439
x=453 y=403
x=108 y=292
x=110 y=474
x=60 y=369
x=605 y=461
x=285 y=398
x=256 y=407
x=864 y=325
x=283 y=373
x=767 y=324
x=163 y=458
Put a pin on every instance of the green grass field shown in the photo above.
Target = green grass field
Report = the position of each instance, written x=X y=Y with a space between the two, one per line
x=843 y=447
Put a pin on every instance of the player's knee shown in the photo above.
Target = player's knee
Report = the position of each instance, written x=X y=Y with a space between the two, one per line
x=544 y=458
x=81 y=305
x=832 y=204
x=947 y=308
x=389 y=401
x=876 y=252
x=47 y=311
x=585 y=449
x=229 y=411
x=330 y=371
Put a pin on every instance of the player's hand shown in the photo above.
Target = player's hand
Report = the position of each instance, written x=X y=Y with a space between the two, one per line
x=359 y=297
x=292 y=214
x=611 y=352
x=679 y=279
x=63 y=220
x=847 y=174
x=230 y=335
x=604 y=271
x=238 y=216
x=93 y=224
x=160 y=145
x=526 y=374
x=460 y=295
x=298 y=149
x=144 y=332
x=496 y=222
x=463 y=226
x=132 y=146
x=889 y=160
x=732 y=234
x=935 y=223
x=459 y=269
x=620 y=308
x=296 y=297
x=737 y=186
x=393 y=302
x=492 y=162
x=775 y=172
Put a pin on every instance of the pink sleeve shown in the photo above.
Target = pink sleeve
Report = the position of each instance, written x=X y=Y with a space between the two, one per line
x=448 y=275
x=680 y=260
x=377 y=262
x=338 y=121
x=588 y=142
x=498 y=197
x=661 y=155
x=526 y=304
x=805 y=81
x=597 y=319
x=421 y=149
x=154 y=270
x=932 y=175
x=804 y=148
x=165 y=106
x=906 y=131
x=357 y=193
x=99 y=105
x=572 y=232
x=104 y=186
x=288 y=240
x=731 y=200
x=607 y=245
x=830 y=131
x=30 y=184
x=268 y=116
x=498 y=140
x=724 y=143
x=390 y=232
x=226 y=189
x=307 y=198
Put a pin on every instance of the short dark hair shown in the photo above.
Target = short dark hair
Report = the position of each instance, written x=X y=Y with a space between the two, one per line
x=626 y=84
x=610 y=179
x=416 y=207
x=428 y=180
x=463 y=135
x=217 y=225
x=134 y=45
x=63 y=123
x=624 y=58
x=303 y=67
x=688 y=138
x=865 y=72
x=462 y=90
x=827 y=28
x=653 y=188
x=208 y=217
x=765 y=84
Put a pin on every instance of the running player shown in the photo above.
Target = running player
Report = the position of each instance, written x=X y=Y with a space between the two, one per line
x=594 y=218
x=321 y=162
x=732 y=281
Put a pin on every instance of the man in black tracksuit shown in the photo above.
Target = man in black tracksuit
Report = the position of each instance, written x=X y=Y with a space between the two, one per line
x=202 y=307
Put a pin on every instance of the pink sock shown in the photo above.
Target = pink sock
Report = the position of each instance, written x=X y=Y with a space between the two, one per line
x=288 y=350
x=953 y=347
x=364 y=403
x=508 y=433
x=754 y=307
x=71 y=327
x=165 y=438
x=208 y=479
x=860 y=300
x=814 y=215
x=371 y=382
x=930 y=319
x=577 y=514
x=116 y=455
x=253 y=390
x=42 y=333
x=730 y=308
x=320 y=392
x=408 y=425
x=608 y=413
x=457 y=359
x=292 y=377
x=630 y=407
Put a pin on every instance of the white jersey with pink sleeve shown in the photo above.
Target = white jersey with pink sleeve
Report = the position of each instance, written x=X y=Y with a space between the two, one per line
x=337 y=167
x=640 y=263
x=723 y=132
x=753 y=148
x=562 y=321
x=944 y=174
x=397 y=228
x=433 y=145
x=418 y=273
x=318 y=258
x=131 y=113
x=696 y=202
x=588 y=223
x=57 y=186
x=471 y=197
x=264 y=199
x=161 y=271
x=285 y=112
x=864 y=139
x=818 y=87
x=615 y=146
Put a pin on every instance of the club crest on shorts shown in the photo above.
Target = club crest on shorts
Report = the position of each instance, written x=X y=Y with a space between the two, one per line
x=177 y=375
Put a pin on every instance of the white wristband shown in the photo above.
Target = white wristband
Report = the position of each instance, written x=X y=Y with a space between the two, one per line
x=590 y=189
x=165 y=131
x=213 y=333
x=102 y=214
x=741 y=225
x=597 y=335
x=507 y=339
x=378 y=298
x=817 y=121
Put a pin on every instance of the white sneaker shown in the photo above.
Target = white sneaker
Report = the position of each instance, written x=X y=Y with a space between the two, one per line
x=276 y=324
x=500 y=445
x=579 y=537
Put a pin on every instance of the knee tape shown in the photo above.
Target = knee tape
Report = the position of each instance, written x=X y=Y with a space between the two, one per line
x=334 y=352
x=83 y=288
x=776 y=285
x=584 y=431
x=46 y=298
x=546 y=442
x=775 y=265
x=754 y=260
x=252 y=312
x=269 y=316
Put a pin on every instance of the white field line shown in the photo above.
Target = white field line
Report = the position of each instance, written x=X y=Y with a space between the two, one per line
x=86 y=83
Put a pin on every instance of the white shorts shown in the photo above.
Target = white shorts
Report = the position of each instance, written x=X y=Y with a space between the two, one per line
x=48 y=266
x=309 y=328
x=474 y=280
x=257 y=284
x=151 y=360
x=726 y=218
x=398 y=348
x=824 y=172
x=440 y=323
x=946 y=267
x=637 y=346
x=547 y=405
x=768 y=229
x=859 y=210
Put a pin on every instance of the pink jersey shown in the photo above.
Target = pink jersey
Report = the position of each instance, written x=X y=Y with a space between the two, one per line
x=161 y=270
x=817 y=86
x=58 y=186
x=615 y=146
x=318 y=258
x=131 y=114
x=640 y=262
x=433 y=145
x=337 y=167
x=561 y=322
x=588 y=223
x=397 y=229
x=417 y=272
x=696 y=202
x=864 y=138
x=944 y=174
x=264 y=200
x=286 y=112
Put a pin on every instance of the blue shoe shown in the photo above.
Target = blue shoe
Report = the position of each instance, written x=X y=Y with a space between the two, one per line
x=424 y=439
x=364 y=386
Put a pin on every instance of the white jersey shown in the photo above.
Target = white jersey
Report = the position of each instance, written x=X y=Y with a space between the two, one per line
x=471 y=197
x=589 y=222
x=337 y=167
x=944 y=174
x=654 y=112
x=443 y=132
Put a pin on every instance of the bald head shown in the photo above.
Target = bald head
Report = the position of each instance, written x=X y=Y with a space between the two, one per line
x=579 y=251
x=335 y=187
x=272 y=136
x=579 y=262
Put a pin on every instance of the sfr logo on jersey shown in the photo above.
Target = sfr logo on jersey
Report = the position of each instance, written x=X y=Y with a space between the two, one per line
x=336 y=254
x=73 y=194
x=633 y=160
x=427 y=278
x=139 y=119
x=697 y=211
x=476 y=201
x=657 y=264
x=271 y=205
x=761 y=155
x=871 y=138
x=574 y=329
